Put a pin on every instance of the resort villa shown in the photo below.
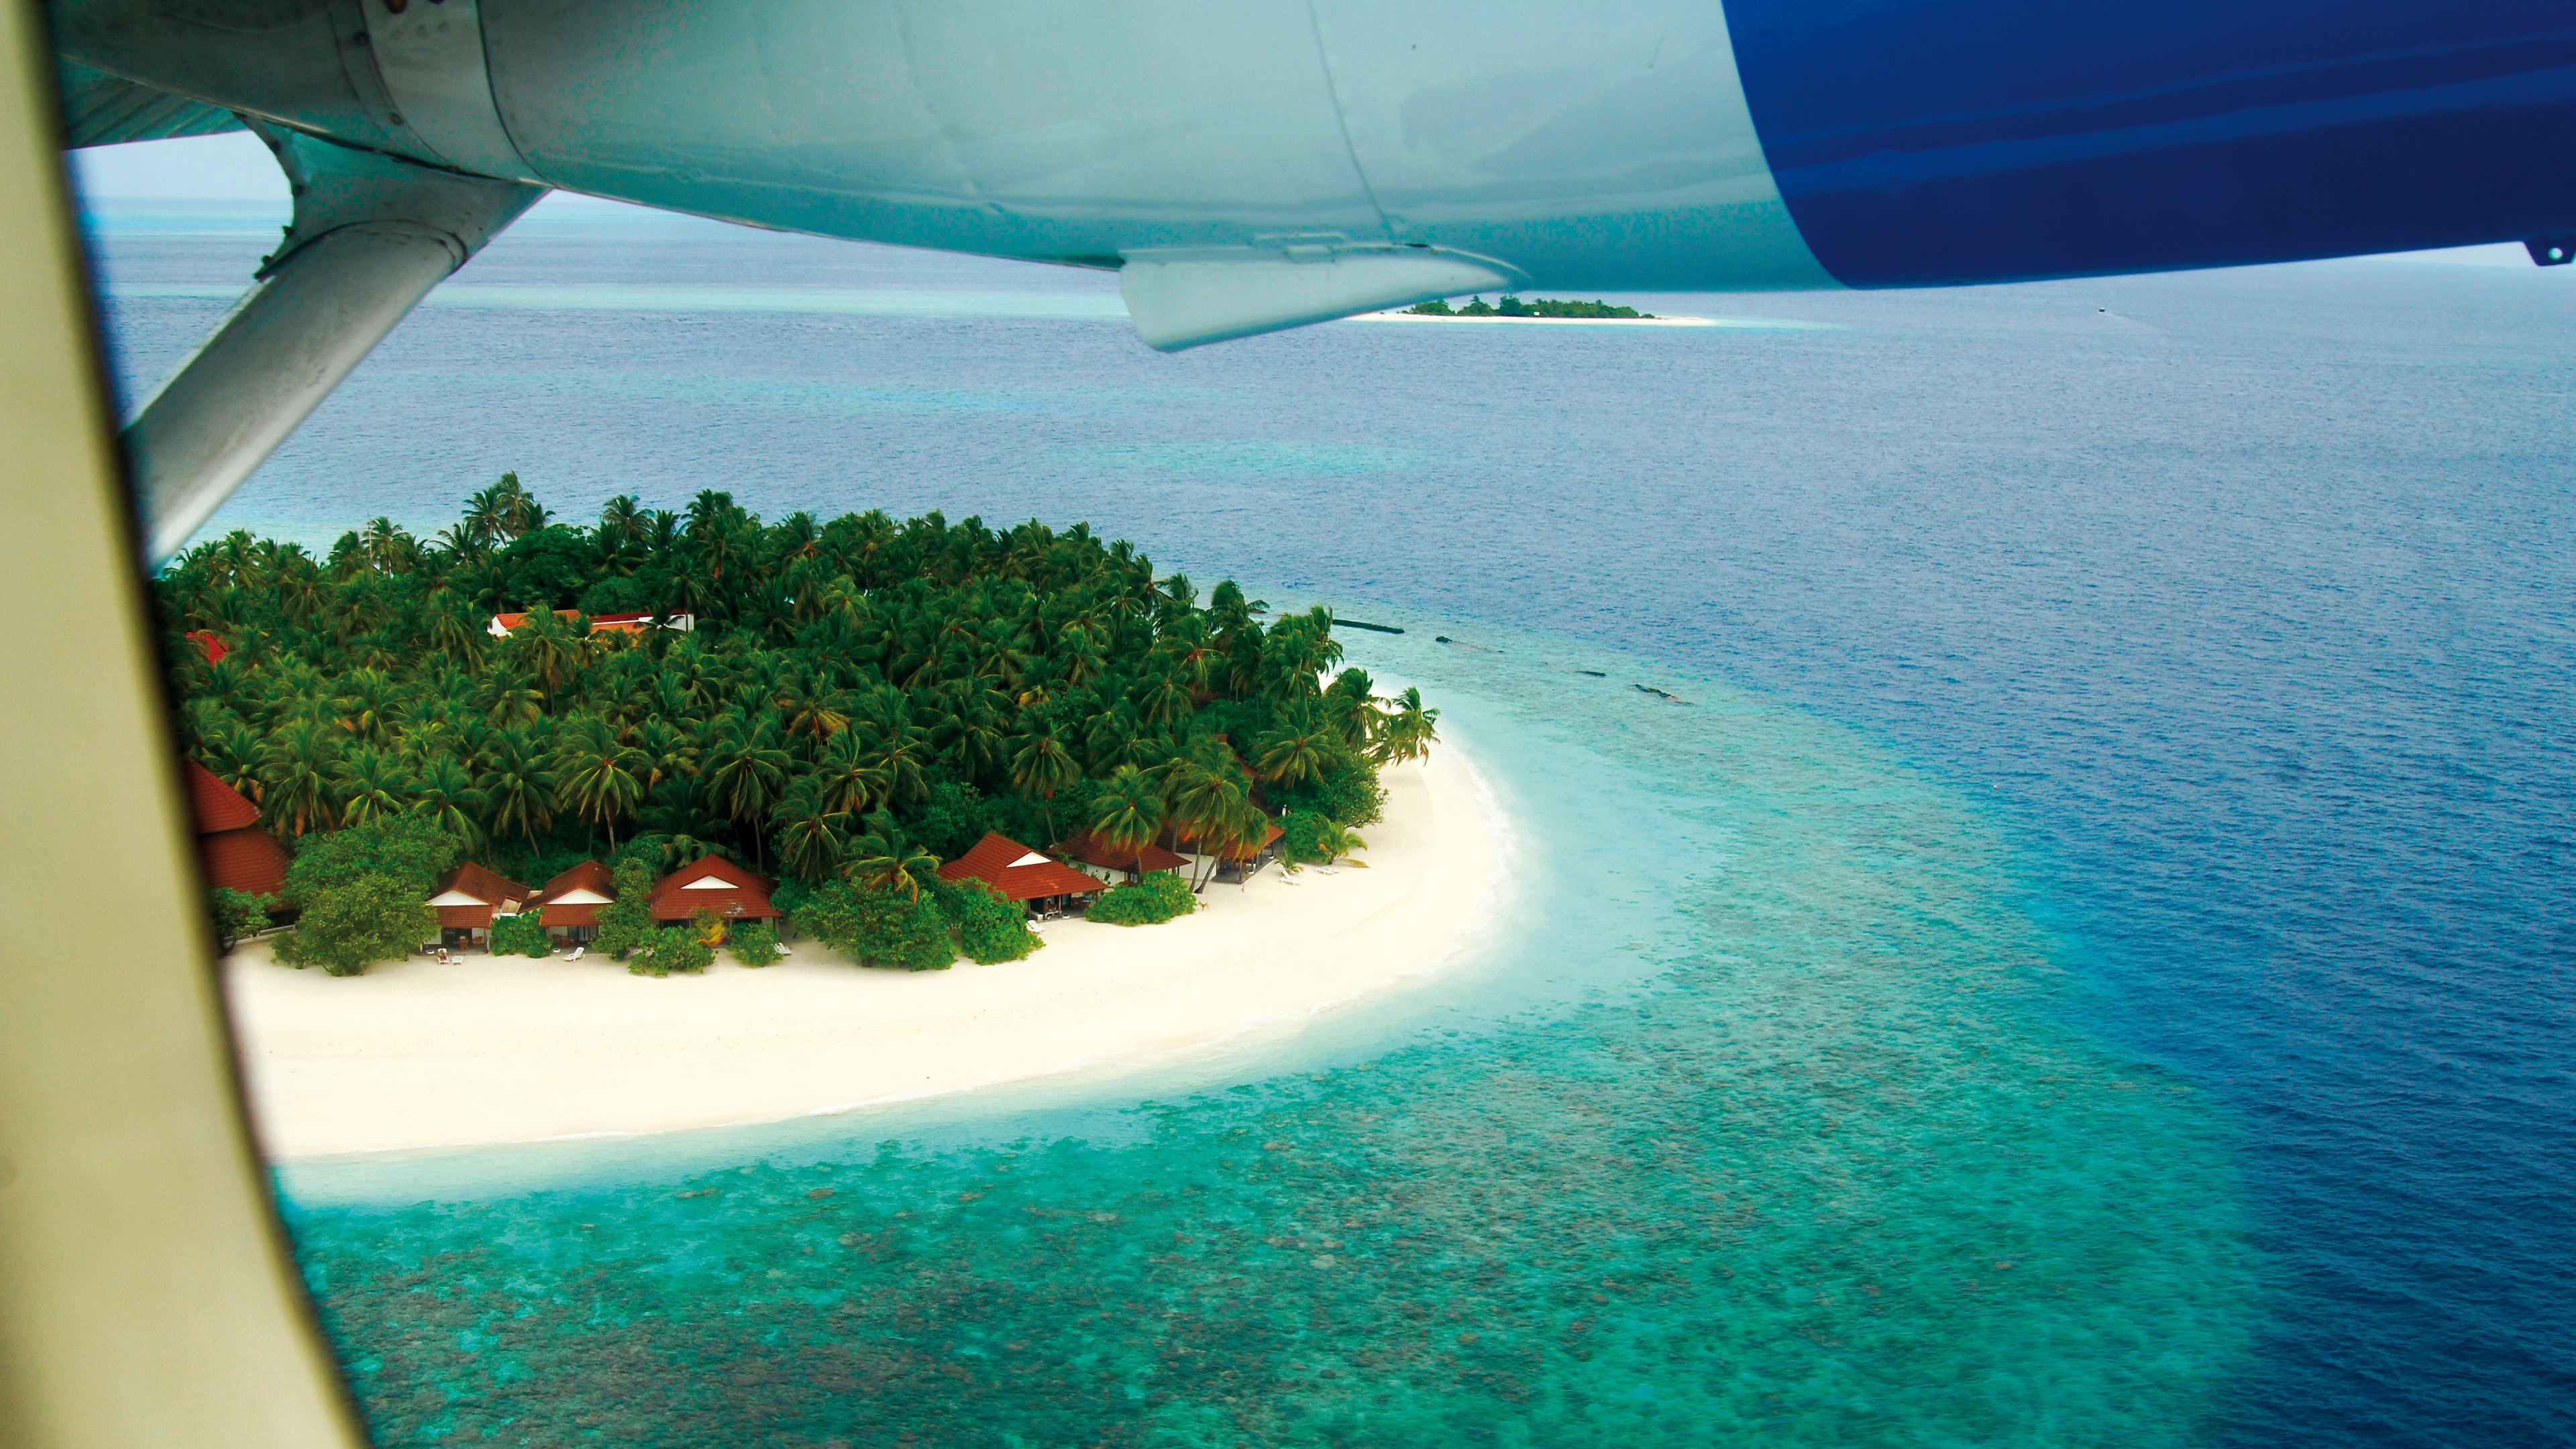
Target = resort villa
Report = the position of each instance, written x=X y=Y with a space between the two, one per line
x=234 y=851
x=1021 y=875
x=502 y=624
x=569 y=905
x=1095 y=856
x=468 y=897
x=712 y=884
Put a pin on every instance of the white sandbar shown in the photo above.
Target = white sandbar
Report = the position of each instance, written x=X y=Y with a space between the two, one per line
x=506 y=1049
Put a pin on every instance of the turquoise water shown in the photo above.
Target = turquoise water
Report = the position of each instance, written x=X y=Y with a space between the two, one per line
x=1746 y=1116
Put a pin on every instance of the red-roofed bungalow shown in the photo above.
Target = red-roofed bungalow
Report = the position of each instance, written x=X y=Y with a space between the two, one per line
x=234 y=852
x=467 y=898
x=1089 y=849
x=502 y=624
x=1019 y=873
x=569 y=905
x=716 y=884
x=215 y=648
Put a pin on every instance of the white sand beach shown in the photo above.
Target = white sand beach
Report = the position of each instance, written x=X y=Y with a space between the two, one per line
x=502 y=1049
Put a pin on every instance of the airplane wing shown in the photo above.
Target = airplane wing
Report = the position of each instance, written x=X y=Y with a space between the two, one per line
x=104 y=110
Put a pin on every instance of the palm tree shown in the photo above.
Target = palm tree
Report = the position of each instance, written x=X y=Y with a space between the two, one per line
x=510 y=700
x=901 y=749
x=519 y=785
x=1351 y=704
x=373 y=785
x=623 y=525
x=1042 y=767
x=387 y=547
x=444 y=793
x=600 y=776
x=296 y=772
x=849 y=782
x=883 y=860
x=1409 y=732
x=548 y=649
x=811 y=835
x=1336 y=840
x=366 y=705
x=746 y=770
x=1129 y=815
x=1298 y=750
x=1204 y=803
x=670 y=750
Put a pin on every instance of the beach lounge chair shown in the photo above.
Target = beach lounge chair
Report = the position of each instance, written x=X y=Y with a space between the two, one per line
x=576 y=953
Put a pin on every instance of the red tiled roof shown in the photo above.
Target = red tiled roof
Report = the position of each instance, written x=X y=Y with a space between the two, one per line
x=215 y=648
x=1246 y=852
x=484 y=886
x=624 y=623
x=249 y=859
x=1090 y=849
x=994 y=861
x=675 y=899
x=218 y=806
x=590 y=876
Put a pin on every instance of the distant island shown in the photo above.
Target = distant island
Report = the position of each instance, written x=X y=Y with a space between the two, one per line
x=1510 y=306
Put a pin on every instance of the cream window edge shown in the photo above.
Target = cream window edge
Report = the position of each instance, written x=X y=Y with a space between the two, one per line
x=146 y=1294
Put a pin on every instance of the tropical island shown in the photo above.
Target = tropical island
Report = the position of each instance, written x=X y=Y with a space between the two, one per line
x=1511 y=306
x=521 y=760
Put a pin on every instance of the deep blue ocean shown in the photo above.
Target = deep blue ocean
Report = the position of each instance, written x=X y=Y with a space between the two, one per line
x=2087 y=959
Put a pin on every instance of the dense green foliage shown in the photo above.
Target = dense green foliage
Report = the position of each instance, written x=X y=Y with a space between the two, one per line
x=412 y=849
x=754 y=943
x=350 y=924
x=521 y=935
x=674 y=949
x=1511 y=306
x=858 y=699
x=988 y=928
x=626 y=925
x=878 y=927
x=1158 y=898
x=238 y=915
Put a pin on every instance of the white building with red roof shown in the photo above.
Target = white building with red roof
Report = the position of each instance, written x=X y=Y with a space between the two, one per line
x=569 y=905
x=716 y=884
x=467 y=899
x=235 y=853
x=1019 y=873
x=1090 y=850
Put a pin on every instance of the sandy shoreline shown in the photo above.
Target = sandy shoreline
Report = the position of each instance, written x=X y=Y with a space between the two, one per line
x=415 y=1054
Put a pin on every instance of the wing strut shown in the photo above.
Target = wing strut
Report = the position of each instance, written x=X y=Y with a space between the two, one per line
x=372 y=235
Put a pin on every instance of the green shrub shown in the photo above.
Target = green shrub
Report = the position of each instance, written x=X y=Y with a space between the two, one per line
x=989 y=928
x=878 y=927
x=627 y=926
x=1159 y=898
x=520 y=935
x=1347 y=793
x=238 y=914
x=1302 y=836
x=677 y=948
x=754 y=944
x=345 y=927
x=406 y=849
